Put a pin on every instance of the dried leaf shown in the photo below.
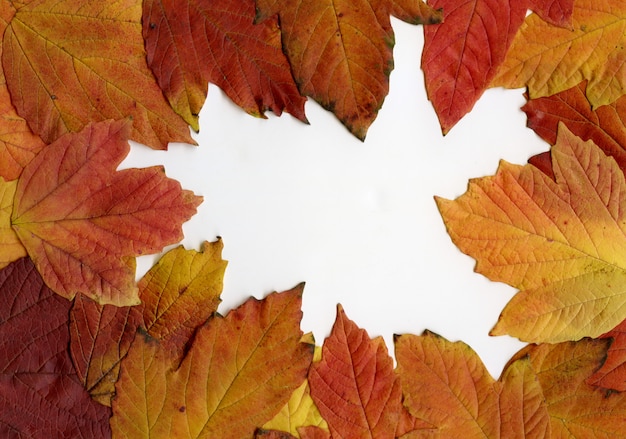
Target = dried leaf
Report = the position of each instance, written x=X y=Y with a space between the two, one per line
x=446 y=385
x=606 y=125
x=550 y=59
x=40 y=395
x=11 y=249
x=194 y=42
x=83 y=223
x=18 y=145
x=179 y=293
x=577 y=410
x=354 y=385
x=560 y=242
x=341 y=51
x=237 y=374
x=70 y=63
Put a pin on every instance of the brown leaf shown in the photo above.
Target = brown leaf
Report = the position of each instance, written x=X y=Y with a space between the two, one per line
x=71 y=63
x=446 y=385
x=40 y=395
x=354 y=385
x=238 y=372
x=191 y=43
x=83 y=222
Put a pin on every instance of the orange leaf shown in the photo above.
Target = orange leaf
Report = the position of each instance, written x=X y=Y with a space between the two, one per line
x=462 y=54
x=606 y=125
x=71 y=63
x=312 y=432
x=354 y=385
x=18 y=145
x=273 y=434
x=550 y=59
x=556 y=12
x=612 y=374
x=341 y=51
x=576 y=409
x=11 y=249
x=83 y=223
x=194 y=42
x=446 y=385
x=560 y=242
x=238 y=372
x=179 y=293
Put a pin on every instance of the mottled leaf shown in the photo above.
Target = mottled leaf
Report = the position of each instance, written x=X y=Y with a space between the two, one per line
x=69 y=63
x=11 y=249
x=548 y=59
x=82 y=222
x=612 y=374
x=354 y=385
x=606 y=125
x=446 y=385
x=561 y=243
x=341 y=51
x=576 y=409
x=237 y=374
x=40 y=395
x=194 y=42
x=179 y=293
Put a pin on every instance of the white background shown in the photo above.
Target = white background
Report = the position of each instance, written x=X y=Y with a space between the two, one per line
x=356 y=221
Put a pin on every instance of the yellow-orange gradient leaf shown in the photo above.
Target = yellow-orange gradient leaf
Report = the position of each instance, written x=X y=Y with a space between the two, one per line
x=550 y=59
x=237 y=374
x=341 y=51
x=69 y=63
x=18 y=145
x=11 y=249
x=354 y=385
x=576 y=409
x=446 y=385
x=179 y=293
x=82 y=222
x=561 y=243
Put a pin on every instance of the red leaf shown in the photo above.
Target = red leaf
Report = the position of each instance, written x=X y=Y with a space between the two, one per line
x=193 y=42
x=354 y=385
x=612 y=374
x=557 y=12
x=83 y=222
x=40 y=394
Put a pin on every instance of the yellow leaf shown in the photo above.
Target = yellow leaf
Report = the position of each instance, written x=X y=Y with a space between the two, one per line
x=11 y=248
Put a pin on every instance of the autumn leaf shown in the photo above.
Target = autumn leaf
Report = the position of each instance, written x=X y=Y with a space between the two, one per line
x=83 y=223
x=576 y=409
x=341 y=51
x=179 y=293
x=556 y=12
x=195 y=42
x=40 y=395
x=446 y=385
x=69 y=63
x=11 y=249
x=18 y=145
x=410 y=427
x=549 y=59
x=313 y=432
x=236 y=375
x=612 y=374
x=354 y=385
x=606 y=125
x=273 y=434
x=561 y=243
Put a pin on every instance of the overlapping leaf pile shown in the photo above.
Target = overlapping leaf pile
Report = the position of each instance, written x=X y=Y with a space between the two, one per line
x=88 y=352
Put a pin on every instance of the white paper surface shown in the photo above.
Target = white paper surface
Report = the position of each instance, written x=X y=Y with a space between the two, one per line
x=356 y=221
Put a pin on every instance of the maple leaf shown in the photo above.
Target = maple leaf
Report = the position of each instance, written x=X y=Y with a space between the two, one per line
x=606 y=125
x=549 y=59
x=560 y=242
x=236 y=375
x=446 y=385
x=341 y=51
x=40 y=395
x=313 y=432
x=576 y=409
x=82 y=222
x=195 y=42
x=179 y=293
x=612 y=374
x=18 y=145
x=354 y=385
x=11 y=249
x=68 y=64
